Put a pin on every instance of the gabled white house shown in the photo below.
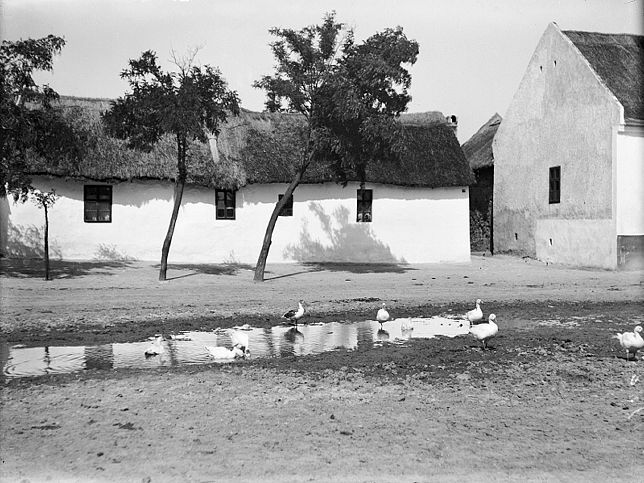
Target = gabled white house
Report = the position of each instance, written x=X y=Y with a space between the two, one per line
x=117 y=204
x=569 y=154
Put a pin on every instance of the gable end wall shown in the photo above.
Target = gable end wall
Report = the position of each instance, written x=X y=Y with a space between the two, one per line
x=561 y=115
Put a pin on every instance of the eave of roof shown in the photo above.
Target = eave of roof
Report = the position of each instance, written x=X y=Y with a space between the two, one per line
x=478 y=149
x=618 y=60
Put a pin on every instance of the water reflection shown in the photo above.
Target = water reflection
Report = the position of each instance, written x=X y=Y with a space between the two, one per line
x=382 y=335
x=189 y=347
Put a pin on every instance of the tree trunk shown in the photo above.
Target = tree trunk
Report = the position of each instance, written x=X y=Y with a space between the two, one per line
x=178 y=195
x=46 y=244
x=266 y=245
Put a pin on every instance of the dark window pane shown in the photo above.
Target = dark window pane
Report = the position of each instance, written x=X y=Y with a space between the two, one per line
x=365 y=198
x=225 y=204
x=554 y=185
x=98 y=203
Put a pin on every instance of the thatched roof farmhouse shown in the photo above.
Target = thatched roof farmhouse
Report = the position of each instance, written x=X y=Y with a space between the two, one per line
x=433 y=156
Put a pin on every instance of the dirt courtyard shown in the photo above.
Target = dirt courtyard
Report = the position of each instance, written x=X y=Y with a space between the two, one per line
x=554 y=399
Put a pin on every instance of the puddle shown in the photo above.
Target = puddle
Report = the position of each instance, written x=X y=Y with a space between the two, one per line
x=188 y=347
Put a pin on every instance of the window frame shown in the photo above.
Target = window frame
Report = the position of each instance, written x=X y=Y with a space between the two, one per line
x=554 y=185
x=287 y=209
x=364 y=214
x=101 y=205
x=228 y=204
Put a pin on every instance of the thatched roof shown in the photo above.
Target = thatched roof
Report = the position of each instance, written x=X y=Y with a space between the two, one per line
x=618 y=59
x=258 y=148
x=267 y=147
x=478 y=148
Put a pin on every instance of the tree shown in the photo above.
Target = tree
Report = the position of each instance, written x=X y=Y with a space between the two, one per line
x=30 y=124
x=348 y=94
x=185 y=105
x=45 y=201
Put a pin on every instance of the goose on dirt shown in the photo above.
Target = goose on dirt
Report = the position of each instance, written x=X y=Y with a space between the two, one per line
x=631 y=342
x=486 y=331
x=475 y=315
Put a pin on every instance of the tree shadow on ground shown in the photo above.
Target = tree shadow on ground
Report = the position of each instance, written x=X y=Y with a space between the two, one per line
x=58 y=269
x=361 y=267
x=206 y=269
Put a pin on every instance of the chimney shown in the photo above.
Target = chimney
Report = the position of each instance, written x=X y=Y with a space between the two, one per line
x=452 y=121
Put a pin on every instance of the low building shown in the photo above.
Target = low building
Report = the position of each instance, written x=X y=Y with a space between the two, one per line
x=479 y=154
x=569 y=154
x=117 y=203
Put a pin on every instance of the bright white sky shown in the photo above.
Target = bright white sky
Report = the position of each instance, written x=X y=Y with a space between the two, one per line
x=473 y=53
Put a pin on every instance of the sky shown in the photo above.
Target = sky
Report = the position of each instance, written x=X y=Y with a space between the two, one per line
x=473 y=53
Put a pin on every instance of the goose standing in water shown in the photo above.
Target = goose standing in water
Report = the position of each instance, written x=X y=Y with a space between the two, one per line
x=631 y=342
x=218 y=352
x=485 y=331
x=475 y=315
x=240 y=341
x=382 y=316
x=294 y=315
x=155 y=348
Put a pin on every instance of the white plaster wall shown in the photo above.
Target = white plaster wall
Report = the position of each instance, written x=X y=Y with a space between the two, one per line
x=630 y=182
x=586 y=243
x=415 y=225
x=561 y=115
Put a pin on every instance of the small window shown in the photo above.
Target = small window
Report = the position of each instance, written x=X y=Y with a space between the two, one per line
x=98 y=204
x=365 y=198
x=555 y=185
x=287 y=209
x=225 y=200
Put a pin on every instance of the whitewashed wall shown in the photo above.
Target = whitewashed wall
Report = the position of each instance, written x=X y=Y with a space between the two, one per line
x=415 y=225
x=630 y=182
x=562 y=115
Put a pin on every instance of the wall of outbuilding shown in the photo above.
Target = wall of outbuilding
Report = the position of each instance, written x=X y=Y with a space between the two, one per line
x=415 y=225
x=561 y=115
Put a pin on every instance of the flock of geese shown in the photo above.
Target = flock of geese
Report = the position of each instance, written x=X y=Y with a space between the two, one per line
x=631 y=342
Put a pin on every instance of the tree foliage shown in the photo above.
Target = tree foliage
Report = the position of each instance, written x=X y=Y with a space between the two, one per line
x=350 y=94
x=29 y=121
x=188 y=105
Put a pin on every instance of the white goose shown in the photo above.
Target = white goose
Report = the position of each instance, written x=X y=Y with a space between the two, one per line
x=240 y=340
x=295 y=315
x=475 y=315
x=485 y=331
x=631 y=342
x=218 y=352
x=156 y=347
x=382 y=316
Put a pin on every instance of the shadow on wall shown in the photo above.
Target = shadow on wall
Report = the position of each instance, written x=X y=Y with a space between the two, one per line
x=27 y=242
x=351 y=244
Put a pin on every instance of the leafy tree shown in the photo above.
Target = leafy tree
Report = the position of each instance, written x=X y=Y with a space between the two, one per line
x=45 y=201
x=185 y=105
x=348 y=94
x=30 y=124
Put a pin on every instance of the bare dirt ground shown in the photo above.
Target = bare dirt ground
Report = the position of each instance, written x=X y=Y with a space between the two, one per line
x=554 y=400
